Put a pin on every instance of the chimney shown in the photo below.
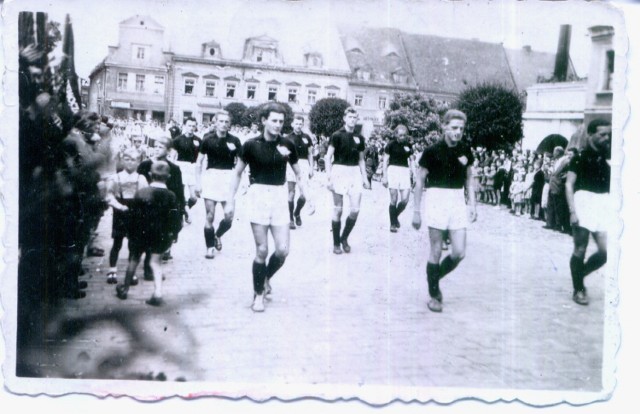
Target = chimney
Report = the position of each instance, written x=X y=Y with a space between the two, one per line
x=527 y=48
x=562 y=55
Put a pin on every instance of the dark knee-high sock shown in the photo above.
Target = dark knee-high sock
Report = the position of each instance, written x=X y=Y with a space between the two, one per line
x=433 y=279
x=393 y=214
x=223 y=227
x=400 y=208
x=259 y=273
x=291 y=210
x=275 y=263
x=115 y=251
x=209 y=236
x=447 y=265
x=594 y=262
x=348 y=226
x=335 y=229
x=576 y=264
x=301 y=202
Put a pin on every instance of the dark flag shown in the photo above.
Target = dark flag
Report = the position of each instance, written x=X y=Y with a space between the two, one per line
x=70 y=88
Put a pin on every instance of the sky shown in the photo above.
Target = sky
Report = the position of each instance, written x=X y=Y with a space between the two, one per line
x=189 y=23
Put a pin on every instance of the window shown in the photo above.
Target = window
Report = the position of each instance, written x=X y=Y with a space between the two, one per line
x=259 y=56
x=140 y=53
x=140 y=83
x=608 y=80
x=122 y=81
x=159 y=85
x=332 y=94
x=358 y=100
x=231 y=89
x=210 y=88
x=382 y=102
x=311 y=97
x=293 y=95
x=273 y=93
x=251 y=91
x=186 y=114
x=189 y=85
x=207 y=118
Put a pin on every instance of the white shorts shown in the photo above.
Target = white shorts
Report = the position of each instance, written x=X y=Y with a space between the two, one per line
x=346 y=179
x=304 y=171
x=399 y=177
x=446 y=209
x=268 y=204
x=216 y=184
x=188 y=172
x=595 y=211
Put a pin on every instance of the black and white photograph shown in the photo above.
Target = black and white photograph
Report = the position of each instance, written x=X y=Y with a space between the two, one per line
x=366 y=200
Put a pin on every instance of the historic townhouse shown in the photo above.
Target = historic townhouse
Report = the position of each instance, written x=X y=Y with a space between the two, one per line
x=258 y=63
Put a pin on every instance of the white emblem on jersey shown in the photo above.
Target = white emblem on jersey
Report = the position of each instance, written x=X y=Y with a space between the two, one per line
x=306 y=141
x=463 y=160
x=231 y=146
x=407 y=149
x=357 y=140
x=284 y=151
x=196 y=143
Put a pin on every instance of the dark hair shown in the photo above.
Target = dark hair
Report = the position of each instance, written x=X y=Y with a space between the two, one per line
x=300 y=117
x=267 y=109
x=574 y=150
x=189 y=118
x=350 y=110
x=598 y=122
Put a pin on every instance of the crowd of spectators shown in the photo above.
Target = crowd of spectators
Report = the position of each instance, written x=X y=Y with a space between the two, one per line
x=527 y=183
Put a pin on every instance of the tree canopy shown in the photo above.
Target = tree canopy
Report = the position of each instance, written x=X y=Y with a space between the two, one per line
x=421 y=115
x=326 y=116
x=494 y=115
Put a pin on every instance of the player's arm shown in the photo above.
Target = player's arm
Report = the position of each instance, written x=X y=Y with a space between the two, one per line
x=363 y=170
x=237 y=176
x=310 y=158
x=385 y=166
x=417 y=197
x=468 y=184
x=569 y=189
x=199 y=164
x=328 y=164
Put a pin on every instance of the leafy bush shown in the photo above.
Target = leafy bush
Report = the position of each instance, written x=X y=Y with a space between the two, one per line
x=494 y=115
x=326 y=116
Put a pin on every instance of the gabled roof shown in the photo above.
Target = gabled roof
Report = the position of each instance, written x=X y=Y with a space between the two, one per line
x=142 y=21
x=293 y=84
x=376 y=50
x=210 y=76
x=448 y=65
x=252 y=79
x=274 y=82
x=190 y=74
x=211 y=43
x=232 y=78
x=528 y=66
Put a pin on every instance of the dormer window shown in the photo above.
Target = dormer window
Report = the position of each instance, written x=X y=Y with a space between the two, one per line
x=212 y=51
x=259 y=56
x=313 y=60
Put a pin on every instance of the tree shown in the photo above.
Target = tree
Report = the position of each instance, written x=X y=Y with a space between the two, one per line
x=494 y=115
x=325 y=117
x=235 y=109
x=421 y=115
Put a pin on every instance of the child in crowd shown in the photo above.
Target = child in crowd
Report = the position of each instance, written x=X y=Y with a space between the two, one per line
x=528 y=186
x=492 y=193
x=516 y=193
x=121 y=188
x=155 y=220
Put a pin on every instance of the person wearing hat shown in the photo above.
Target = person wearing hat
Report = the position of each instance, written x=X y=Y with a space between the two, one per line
x=347 y=175
x=174 y=183
x=448 y=164
x=267 y=157
x=590 y=207
x=154 y=223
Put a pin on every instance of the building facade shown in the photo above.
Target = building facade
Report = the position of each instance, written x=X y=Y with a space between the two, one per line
x=365 y=66
x=564 y=107
x=131 y=82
